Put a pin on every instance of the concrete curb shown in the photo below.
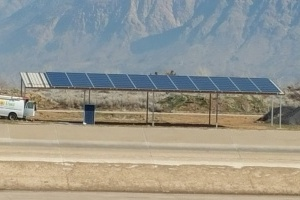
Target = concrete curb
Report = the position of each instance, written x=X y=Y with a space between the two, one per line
x=37 y=176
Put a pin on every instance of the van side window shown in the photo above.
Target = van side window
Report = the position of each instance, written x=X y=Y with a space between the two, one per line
x=29 y=105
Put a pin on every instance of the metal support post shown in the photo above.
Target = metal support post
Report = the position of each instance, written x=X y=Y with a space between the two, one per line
x=147 y=107
x=84 y=97
x=209 y=110
x=217 y=110
x=83 y=113
x=153 y=109
x=280 y=111
x=272 y=112
x=21 y=87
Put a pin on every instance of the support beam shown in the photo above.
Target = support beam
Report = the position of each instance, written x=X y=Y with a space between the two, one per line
x=84 y=97
x=217 y=110
x=83 y=113
x=153 y=109
x=21 y=87
x=209 y=110
x=280 y=110
x=272 y=112
x=147 y=107
x=89 y=96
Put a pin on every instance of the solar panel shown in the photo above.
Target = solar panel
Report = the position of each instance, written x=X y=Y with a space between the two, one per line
x=142 y=81
x=79 y=80
x=224 y=84
x=151 y=82
x=203 y=83
x=183 y=83
x=58 y=79
x=100 y=80
x=244 y=84
x=34 y=80
x=121 y=81
x=162 y=82
x=265 y=85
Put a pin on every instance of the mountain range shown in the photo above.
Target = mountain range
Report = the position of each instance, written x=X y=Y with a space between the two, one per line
x=255 y=38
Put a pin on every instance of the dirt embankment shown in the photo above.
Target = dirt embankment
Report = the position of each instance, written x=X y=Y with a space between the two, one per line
x=148 y=178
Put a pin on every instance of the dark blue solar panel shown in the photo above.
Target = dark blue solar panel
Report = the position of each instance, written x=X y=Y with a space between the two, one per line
x=79 y=80
x=183 y=83
x=141 y=81
x=203 y=83
x=121 y=81
x=100 y=80
x=162 y=82
x=58 y=79
x=224 y=84
x=244 y=84
x=265 y=85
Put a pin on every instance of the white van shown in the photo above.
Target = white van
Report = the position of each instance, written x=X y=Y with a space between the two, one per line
x=16 y=107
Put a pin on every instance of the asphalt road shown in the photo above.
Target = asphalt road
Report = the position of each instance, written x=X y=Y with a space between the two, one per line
x=68 y=152
x=21 y=195
x=149 y=145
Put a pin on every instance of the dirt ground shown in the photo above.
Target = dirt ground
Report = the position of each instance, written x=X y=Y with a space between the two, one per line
x=160 y=119
x=234 y=121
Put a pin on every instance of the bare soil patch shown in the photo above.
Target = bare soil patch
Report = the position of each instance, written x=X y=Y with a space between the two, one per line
x=167 y=119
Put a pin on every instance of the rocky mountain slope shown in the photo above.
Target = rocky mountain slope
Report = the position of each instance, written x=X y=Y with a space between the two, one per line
x=203 y=37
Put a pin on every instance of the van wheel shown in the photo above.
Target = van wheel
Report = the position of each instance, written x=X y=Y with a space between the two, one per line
x=12 y=116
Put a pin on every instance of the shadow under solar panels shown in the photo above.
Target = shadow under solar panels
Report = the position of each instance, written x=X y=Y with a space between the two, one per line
x=121 y=81
x=141 y=81
x=79 y=80
x=100 y=80
x=265 y=85
x=183 y=83
x=244 y=84
x=58 y=79
x=162 y=82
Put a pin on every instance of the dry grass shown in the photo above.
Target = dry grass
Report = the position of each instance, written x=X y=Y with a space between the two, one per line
x=137 y=101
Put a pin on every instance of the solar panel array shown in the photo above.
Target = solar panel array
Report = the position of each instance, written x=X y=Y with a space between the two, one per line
x=161 y=83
